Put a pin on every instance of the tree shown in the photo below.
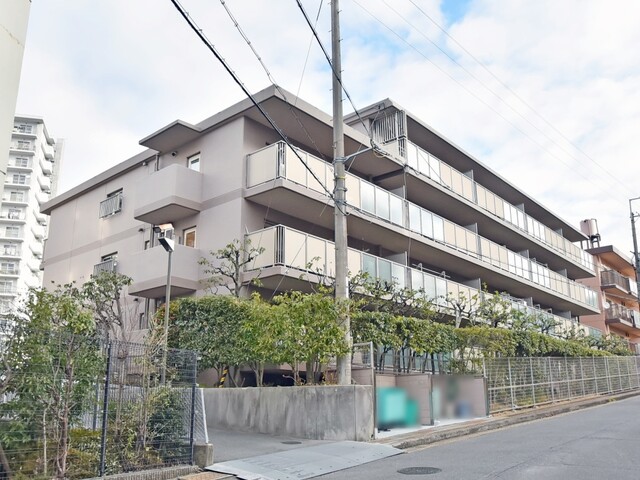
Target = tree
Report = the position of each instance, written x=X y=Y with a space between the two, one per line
x=104 y=294
x=53 y=359
x=226 y=267
x=461 y=306
x=312 y=334
x=495 y=309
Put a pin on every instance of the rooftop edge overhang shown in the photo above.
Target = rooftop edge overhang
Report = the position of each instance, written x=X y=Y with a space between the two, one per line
x=171 y=136
x=611 y=256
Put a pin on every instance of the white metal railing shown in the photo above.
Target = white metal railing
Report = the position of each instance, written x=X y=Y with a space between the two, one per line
x=23 y=128
x=27 y=146
x=19 y=162
x=273 y=161
x=430 y=166
x=111 y=205
x=105 y=266
x=307 y=253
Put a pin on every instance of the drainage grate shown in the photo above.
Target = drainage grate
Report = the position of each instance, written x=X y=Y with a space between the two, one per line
x=291 y=442
x=419 y=470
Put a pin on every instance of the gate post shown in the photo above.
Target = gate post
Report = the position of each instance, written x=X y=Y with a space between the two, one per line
x=105 y=412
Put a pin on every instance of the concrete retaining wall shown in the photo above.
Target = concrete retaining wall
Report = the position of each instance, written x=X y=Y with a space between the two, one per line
x=315 y=412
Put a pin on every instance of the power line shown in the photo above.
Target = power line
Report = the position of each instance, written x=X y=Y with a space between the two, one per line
x=335 y=74
x=304 y=67
x=236 y=79
x=515 y=94
x=474 y=95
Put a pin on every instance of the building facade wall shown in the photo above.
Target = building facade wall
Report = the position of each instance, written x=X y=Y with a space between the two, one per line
x=14 y=17
x=248 y=184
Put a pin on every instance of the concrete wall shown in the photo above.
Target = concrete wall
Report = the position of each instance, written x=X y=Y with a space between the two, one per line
x=315 y=412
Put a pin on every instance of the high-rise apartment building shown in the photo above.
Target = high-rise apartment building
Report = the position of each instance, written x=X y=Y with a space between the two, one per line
x=421 y=211
x=32 y=168
x=14 y=17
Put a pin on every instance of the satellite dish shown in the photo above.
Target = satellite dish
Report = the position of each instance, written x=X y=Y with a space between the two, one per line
x=606 y=304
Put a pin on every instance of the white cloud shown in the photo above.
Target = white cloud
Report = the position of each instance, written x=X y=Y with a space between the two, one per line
x=105 y=74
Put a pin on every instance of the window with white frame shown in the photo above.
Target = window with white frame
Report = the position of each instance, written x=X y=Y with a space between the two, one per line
x=189 y=236
x=12 y=231
x=193 y=162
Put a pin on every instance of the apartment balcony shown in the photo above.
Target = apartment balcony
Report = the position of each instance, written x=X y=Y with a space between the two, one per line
x=13 y=272
x=276 y=178
x=20 y=164
x=168 y=195
x=622 y=318
x=48 y=151
x=617 y=284
x=42 y=197
x=15 y=200
x=8 y=292
x=36 y=249
x=25 y=131
x=45 y=183
x=19 y=182
x=46 y=166
x=27 y=148
x=38 y=232
x=34 y=264
x=13 y=217
x=10 y=252
x=150 y=272
x=11 y=235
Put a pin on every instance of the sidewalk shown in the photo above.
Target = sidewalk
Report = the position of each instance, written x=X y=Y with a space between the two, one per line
x=501 y=420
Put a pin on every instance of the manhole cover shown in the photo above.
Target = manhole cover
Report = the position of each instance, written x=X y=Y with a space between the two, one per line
x=419 y=470
x=291 y=442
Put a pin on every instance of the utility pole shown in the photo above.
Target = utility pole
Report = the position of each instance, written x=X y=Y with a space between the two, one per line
x=339 y=196
x=635 y=242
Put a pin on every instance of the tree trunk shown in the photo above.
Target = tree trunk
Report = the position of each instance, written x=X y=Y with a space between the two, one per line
x=310 y=372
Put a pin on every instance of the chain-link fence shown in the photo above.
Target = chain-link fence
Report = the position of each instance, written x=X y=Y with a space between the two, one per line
x=514 y=383
x=77 y=407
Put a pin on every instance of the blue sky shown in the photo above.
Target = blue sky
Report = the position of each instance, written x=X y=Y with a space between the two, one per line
x=454 y=10
x=554 y=107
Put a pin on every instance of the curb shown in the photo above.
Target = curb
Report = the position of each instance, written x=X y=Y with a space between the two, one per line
x=428 y=437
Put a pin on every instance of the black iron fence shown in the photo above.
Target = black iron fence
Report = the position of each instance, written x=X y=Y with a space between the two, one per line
x=77 y=407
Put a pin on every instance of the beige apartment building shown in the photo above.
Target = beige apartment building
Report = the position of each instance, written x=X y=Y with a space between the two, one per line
x=421 y=211
x=615 y=282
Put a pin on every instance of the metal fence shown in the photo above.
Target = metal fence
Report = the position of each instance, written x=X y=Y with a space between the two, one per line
x=514 y=383
x=76 y=407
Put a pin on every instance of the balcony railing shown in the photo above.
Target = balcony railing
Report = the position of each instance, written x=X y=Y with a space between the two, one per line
x=107 y=266
x=430 y=166
x=45 y=183
x=23 y=129
x=618 y=312
x=611 y=278
x=19 y=163
x=111 y=205
x=28 y=147
x=12 y=270
x=46 y=166
x=279 y=161
x=297 y=250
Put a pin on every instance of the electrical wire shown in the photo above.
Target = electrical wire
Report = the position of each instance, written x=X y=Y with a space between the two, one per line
x=333 y=70
x=474 y=95
x=304 y=67
x=514 y=93
x=237 y=80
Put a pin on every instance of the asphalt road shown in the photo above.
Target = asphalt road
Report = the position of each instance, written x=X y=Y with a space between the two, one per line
x=598 y=443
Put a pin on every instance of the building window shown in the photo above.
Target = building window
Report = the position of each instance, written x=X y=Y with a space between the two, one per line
x=21 y=162
x=193 y=162
x=23 y=128
x=189 y=236
x=108 y=263
x=142 y=321
x=8 y=268
x=19 y=179
x=14 y=214
x=112 y=205
x=12 y=231
x=16 y=196
x=6 y=286
x=22 y=145
x=10 y=249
